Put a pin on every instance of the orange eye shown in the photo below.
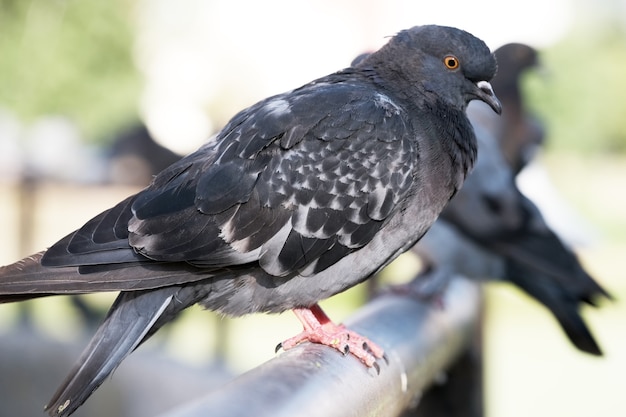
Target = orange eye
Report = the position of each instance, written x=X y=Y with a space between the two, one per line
x=451 y=62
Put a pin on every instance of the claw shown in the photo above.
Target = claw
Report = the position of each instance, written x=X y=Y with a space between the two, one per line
x=376 y=366
x=319 y=329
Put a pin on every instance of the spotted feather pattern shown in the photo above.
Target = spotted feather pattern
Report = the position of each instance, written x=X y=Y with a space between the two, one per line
x=295 y=182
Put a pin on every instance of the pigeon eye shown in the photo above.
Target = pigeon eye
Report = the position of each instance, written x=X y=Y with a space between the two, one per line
x=451 y=62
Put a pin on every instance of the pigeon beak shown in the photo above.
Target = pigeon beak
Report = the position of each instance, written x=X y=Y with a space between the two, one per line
x=485 y=93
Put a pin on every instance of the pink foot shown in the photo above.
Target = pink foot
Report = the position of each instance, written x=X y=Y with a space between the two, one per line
x=318 y=328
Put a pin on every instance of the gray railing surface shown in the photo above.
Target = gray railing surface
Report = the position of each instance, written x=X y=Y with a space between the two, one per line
x=421 y=340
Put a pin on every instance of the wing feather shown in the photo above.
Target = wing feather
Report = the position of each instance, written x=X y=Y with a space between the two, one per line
x=287 y=183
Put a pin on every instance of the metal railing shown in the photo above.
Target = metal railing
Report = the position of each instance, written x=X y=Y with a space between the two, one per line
x=421 y=340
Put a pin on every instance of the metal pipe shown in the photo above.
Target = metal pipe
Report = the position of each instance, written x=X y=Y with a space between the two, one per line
x=421 y=340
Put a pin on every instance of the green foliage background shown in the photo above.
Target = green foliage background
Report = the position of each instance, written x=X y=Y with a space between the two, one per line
x=69 y=57
x=581 y=92
x=74 y=57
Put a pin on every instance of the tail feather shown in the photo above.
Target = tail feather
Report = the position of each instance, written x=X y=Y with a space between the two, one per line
x=543 y=266
x=16 y=298
x=576 y=329
x=27 y=278
x=562 y=302
x=543 y=251
x=130 y=319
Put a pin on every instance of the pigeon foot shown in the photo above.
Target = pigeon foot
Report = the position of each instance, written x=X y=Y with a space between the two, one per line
x=318 y=328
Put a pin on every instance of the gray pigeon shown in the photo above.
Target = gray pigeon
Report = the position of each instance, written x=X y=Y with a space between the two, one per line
x=299 y=197
x=491 y=230
x=519 y=132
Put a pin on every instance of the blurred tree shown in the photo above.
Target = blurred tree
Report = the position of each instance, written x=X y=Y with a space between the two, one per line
x=582 y=96
x=69 y=57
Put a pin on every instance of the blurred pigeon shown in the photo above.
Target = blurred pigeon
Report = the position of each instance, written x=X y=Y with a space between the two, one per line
x=135 y=157
x=519 y=132
x=491 y=230
x=297 y=198
x=521 y=135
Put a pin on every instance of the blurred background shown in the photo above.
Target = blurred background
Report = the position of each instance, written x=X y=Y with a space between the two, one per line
x=96 y=97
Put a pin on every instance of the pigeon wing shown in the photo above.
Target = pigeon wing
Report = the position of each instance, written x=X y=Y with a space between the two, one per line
x=295 y=183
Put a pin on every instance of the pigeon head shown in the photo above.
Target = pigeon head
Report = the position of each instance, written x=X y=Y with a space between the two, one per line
x=446 y=62
x=513 y=60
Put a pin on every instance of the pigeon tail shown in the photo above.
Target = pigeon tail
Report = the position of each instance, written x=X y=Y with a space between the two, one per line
x=562 y=303
x=28 y=278
x=133 y=315
x=575 y=328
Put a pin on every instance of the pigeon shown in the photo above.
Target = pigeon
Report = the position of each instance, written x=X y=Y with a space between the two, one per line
x=135 y=156
x=299 y=197
x=491 y=230
x=519 y=132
